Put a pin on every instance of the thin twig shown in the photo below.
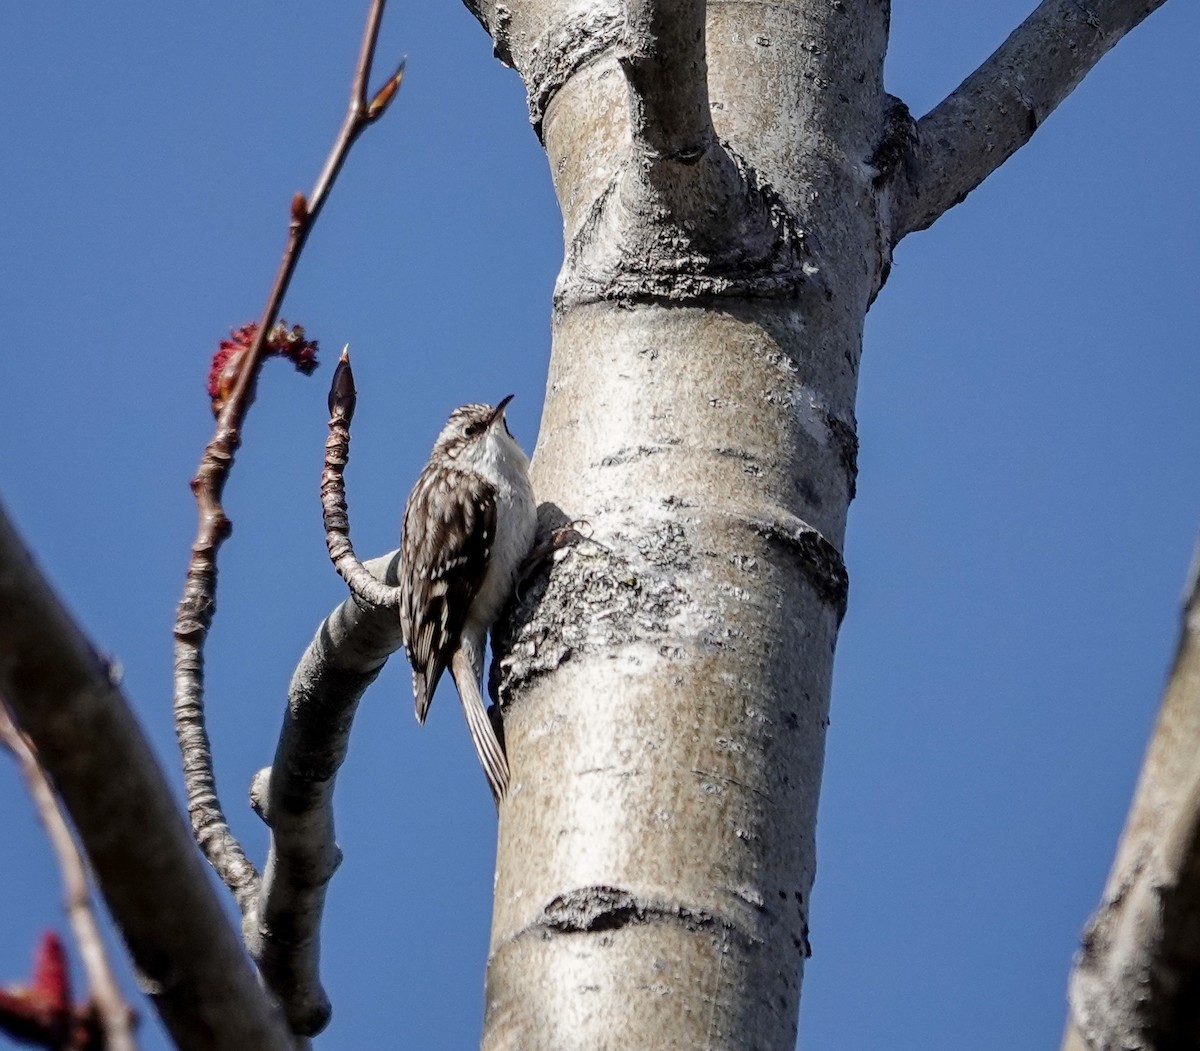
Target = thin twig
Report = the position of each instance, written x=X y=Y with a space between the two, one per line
x=116 y=1017
x=196 y=608
x=342 y=399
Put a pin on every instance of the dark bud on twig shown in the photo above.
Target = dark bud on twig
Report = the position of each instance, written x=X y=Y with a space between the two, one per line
x=342 y=395
x=299 y=208
x=383 y=97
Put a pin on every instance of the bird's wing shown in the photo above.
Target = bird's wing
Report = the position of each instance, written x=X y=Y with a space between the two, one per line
x=449 y=529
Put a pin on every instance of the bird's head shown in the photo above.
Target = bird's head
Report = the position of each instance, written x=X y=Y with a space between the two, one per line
x=472 y=430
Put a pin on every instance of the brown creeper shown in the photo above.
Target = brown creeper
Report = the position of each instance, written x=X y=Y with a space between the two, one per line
x=468 y=526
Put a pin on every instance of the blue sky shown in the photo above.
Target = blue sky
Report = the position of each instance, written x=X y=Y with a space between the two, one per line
x=1027 y=498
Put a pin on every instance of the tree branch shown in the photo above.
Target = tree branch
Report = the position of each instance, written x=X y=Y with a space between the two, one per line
x=996 y=110
x=295 y=795
x=1136 y=981
x=342 y=400
x=64 y=695
x=668 y=78
x=196 y=608
x=654 y=233
x=115 y=1015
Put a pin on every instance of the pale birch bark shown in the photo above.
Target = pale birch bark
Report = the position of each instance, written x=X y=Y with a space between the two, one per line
x=665 y=689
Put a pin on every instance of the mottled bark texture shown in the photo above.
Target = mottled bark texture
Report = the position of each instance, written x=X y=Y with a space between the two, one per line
x=666 y=686
x=1136 y=984
x=732 y=179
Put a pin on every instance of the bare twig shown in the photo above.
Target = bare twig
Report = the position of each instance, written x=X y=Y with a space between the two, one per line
x=116 y=1017
x=996 y=110
x=196 y=608
x=65 y=696
x=342 y=400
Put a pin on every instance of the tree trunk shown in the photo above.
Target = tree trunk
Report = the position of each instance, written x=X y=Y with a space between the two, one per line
x=665 y=693
x=733 y=179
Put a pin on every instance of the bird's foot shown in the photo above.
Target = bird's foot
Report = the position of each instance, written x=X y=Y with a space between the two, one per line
x=564 y=536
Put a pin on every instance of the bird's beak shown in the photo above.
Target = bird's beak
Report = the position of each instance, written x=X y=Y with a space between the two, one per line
x=498 y=413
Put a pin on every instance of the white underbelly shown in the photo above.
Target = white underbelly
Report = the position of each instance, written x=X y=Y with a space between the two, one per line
x=516 y=522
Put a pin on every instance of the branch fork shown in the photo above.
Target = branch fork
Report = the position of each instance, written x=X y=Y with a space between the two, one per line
x=687 y=218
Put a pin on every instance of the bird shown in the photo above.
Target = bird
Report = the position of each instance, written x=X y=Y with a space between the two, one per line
x=469 y=524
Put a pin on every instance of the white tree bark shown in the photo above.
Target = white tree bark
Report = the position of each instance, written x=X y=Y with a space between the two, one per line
x=665 y=697
x=732 y=187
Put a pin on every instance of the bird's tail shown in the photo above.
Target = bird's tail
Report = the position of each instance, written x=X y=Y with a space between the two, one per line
x=421 y=694
x=487 y=746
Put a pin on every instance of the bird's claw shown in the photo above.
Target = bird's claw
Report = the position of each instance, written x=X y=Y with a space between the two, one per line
x=564 y=536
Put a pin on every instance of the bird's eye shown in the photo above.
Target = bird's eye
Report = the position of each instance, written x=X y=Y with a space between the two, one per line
x=471 y=430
